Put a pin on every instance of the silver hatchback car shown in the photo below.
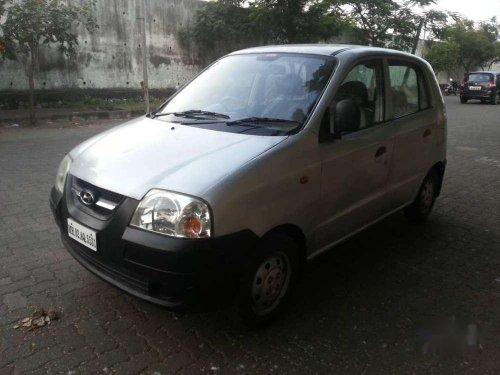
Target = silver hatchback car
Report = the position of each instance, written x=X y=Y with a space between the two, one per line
x=266 y=159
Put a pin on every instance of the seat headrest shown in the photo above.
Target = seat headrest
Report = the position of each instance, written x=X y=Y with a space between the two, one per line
x=354 y=90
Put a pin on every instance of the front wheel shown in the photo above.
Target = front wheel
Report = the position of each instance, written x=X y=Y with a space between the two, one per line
x=463 y=100
x=494 y=101
x=268 y=280
x=422 y=206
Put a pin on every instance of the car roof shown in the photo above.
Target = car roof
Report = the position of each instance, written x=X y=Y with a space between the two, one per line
x=319 y=49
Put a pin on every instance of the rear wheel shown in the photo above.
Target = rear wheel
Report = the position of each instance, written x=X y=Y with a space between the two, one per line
x=463 y=100
x=268 y=280
x=422 y=206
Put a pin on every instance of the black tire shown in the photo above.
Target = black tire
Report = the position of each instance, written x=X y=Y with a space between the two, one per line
x=463 y=100
x=494 y=101
x=269 y=279
x=421 y=207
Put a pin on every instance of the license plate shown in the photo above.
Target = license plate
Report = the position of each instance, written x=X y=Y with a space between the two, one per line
x=82 y=234
x=475 y=88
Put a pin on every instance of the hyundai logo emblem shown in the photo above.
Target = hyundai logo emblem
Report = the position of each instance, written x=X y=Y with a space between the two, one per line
x=87 y=198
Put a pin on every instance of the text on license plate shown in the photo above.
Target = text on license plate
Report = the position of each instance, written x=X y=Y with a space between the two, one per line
x=82 y=234
x=476 y=88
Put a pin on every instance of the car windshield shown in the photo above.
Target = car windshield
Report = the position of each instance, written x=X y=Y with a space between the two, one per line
x=276 y=91
x=480 y=77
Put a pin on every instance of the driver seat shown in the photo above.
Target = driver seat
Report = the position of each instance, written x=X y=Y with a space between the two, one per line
x=358 y=92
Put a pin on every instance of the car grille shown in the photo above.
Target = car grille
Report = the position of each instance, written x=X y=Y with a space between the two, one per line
x=104 y=203
x=113 y=271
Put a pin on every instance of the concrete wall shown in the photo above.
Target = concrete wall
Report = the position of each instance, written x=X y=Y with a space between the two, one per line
x=111 y=57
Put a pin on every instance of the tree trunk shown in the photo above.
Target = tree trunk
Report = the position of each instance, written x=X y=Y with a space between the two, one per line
x=31 y=82
x=417 y=36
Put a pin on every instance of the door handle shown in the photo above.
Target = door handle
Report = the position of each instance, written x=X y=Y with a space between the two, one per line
x=381 y=151
x=427 y=133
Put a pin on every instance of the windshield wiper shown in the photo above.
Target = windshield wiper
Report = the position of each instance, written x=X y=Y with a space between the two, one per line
x=192 y=113
x=260 y=120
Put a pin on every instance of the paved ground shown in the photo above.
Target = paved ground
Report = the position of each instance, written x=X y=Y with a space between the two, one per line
x=395 y=299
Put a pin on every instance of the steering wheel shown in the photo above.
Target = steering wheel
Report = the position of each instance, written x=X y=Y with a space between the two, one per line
x=232 y=104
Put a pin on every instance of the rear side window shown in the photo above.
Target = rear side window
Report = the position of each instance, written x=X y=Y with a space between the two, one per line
x=479 y=77
x=408 y=89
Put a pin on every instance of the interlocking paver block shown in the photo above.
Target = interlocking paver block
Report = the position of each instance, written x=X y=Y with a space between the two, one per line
x=371 y=306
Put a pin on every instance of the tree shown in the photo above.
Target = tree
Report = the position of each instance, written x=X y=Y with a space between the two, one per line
x=297 y=21
x=230 y=24
x=443 y=56
x=478 y=47
x=32 y=23
x=492 y=31
x=2 y=39
x=394 y=24
x=432 y=21
x=220 y=25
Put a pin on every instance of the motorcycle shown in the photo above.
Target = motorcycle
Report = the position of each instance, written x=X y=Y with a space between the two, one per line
x=451 y=89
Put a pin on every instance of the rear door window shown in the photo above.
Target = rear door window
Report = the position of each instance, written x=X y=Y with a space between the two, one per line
x=408 y=89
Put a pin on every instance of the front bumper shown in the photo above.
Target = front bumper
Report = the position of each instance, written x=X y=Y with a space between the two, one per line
x=173 y=272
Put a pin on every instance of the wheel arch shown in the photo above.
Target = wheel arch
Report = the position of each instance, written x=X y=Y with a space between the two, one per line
x=296 y=234
x=439 y=168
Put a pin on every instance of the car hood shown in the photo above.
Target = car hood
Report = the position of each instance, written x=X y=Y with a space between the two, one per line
x=145 y=153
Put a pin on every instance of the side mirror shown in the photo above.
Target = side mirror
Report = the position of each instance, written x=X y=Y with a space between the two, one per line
x=347 y=117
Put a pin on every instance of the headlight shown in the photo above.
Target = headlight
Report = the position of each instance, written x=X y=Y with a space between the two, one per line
x=173 y=214
x=62 y=172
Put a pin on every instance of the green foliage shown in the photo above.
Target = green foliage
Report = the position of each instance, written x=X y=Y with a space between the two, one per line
x=30 y=23
x=384 y=23
x=377 y=18
x=220 y=22
x=443 y=56
x=3 y=47
x=296 y=21
x=227 y=24
x=491 y=29
x=477 y=47
x=394 y=24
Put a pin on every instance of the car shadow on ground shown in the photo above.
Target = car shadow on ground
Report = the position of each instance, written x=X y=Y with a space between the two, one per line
x=377 y=294
x=390 y=270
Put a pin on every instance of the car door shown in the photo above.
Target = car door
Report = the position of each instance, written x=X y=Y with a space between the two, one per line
x=414 y=122
x=355 y=167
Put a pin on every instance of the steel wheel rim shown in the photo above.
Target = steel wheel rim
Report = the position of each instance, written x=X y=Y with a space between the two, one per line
x=270 y=283
x=427 y=197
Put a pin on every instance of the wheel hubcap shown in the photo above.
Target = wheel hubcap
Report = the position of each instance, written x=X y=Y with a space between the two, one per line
x=427 y=196
x=270 y=283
